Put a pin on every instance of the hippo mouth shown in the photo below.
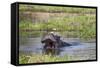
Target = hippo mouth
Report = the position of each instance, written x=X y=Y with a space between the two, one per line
x=49 y=44
x=49 y=41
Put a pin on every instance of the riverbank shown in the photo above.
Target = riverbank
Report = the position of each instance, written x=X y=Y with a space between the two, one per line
x=35 y=58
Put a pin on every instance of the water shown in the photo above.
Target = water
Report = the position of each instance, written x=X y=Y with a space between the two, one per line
x=77 y=51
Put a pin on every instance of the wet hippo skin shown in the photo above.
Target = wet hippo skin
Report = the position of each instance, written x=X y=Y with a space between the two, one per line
x=53 y=42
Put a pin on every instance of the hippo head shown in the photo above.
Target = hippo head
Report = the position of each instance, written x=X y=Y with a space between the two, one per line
x=49 y=40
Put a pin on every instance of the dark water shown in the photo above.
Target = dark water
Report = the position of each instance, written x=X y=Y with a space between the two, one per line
x=77 y=51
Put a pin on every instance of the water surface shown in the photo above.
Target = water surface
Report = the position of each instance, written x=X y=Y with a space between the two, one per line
x=77 y=51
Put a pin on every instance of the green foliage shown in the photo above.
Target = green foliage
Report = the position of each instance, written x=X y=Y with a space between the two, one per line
x=40 y=8
x=23 y=59
x=81 y=26
x=74 y=22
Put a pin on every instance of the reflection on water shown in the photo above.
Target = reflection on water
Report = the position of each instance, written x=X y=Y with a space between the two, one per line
x=80 y=50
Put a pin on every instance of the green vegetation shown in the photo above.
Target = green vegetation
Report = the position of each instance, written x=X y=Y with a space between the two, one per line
x=40 y=8
x=80 y=26
x=73 y=22
x=70 y=22
x=23 y=59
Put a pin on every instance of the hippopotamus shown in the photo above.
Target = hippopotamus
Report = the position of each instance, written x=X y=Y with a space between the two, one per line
x=53 y=42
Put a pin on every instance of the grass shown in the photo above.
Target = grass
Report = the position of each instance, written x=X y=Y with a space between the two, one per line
x=78 y=22
x=40 y=8
x=83 y=27
x=23 y=59
x=73 y=23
